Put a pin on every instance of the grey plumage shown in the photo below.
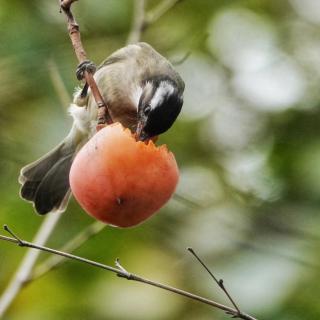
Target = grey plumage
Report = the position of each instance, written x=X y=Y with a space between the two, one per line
x=125 y=79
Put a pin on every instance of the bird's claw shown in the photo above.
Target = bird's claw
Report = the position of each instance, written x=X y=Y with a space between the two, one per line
x=84 y=66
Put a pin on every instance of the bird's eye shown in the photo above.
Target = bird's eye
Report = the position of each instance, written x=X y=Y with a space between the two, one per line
x=147 y=110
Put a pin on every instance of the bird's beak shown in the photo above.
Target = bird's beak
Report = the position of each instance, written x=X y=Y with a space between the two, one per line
x=140 y=133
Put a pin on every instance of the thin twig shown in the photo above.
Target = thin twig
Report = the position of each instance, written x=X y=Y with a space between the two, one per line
x=28 y=262
x=122 y=272
x=218 y=282
x=74 y=33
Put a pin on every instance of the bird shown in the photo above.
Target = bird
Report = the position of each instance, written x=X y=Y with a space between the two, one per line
x=143 y=92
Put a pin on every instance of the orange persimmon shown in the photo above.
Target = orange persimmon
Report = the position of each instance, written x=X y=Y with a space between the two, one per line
x=121 y=181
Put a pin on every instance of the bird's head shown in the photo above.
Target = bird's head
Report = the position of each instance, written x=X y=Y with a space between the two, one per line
x=159 y=105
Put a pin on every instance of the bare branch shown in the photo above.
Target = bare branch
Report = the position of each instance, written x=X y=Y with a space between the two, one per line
x=218 y=282
x=122 y=272
x=74 y=33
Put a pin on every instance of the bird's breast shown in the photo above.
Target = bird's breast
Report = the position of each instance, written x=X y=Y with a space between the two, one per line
x=122 y=111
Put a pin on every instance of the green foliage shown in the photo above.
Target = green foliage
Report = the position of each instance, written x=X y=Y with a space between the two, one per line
x=247 y=144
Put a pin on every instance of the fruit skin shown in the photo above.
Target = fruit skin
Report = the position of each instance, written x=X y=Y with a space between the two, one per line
x=120 y=181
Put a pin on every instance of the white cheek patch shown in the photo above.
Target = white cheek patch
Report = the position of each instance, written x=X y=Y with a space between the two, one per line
x=135 y=97
x=165 y=89
x=137 y=92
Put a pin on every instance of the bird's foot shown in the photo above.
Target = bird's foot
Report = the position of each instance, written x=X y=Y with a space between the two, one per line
x=84 y=66
x=84 y=91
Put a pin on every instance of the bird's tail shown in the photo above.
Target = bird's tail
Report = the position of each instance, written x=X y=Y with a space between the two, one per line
x=45 y=182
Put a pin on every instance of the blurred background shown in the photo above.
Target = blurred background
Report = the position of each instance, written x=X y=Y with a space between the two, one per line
x=247 y=144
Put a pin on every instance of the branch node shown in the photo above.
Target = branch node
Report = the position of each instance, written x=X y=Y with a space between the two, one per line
x=101 y=104
x=190 y=250
x=234 y=315
x=19 y=241
x=123 y=273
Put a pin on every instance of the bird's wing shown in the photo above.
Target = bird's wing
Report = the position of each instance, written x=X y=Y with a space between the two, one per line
x=131 y=51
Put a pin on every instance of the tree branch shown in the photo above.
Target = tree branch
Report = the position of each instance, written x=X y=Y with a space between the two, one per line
x=122 y=272
x=219 y=282
x=74 y=33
